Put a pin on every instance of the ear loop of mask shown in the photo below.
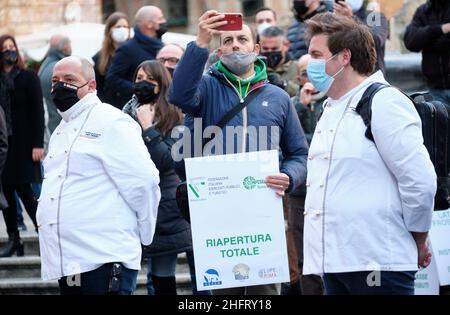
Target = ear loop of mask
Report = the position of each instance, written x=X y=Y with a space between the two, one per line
x=342 y=69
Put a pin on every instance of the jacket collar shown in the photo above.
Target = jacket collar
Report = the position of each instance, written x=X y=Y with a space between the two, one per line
x=220 y=72
x=76 y=110
x=149 y=43
x=55 y=54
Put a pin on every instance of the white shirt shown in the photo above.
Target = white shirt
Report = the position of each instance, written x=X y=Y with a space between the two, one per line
x=100 y=193
x=363 y=200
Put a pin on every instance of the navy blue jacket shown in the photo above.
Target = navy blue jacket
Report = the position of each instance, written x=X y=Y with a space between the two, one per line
x=119 y=78
x=296 y=35
x=212 y=96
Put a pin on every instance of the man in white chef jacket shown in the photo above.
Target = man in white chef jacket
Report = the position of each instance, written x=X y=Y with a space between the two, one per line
x=100 y=193
x=369 y=203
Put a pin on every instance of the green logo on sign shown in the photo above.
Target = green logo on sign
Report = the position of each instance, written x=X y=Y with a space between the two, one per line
x=194 y=190
x=251 y=183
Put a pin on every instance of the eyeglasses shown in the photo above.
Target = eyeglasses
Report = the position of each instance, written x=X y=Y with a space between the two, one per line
x=171 y=60
x=114 y=283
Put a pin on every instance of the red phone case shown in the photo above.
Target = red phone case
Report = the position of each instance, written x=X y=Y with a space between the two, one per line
x=234 y=22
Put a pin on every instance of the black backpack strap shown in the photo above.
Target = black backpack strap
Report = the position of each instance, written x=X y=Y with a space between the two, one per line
x=364 y=107
x=234 y=111
x=239 y=107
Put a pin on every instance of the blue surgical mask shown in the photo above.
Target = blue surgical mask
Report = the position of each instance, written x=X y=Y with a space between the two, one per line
x=318 y=75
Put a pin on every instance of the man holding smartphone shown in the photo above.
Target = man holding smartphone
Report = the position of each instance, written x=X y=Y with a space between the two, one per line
x=240 y=74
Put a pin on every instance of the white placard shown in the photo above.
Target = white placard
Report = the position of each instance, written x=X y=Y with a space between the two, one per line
x=237 y=222
x=427 y=280
x=440 y=240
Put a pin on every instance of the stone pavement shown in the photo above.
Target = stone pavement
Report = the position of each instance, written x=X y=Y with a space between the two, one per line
x=21 y=275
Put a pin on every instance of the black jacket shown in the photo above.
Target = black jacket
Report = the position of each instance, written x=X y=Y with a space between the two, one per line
x=379 y=28
x=173 y=232
x=28 y=125
x=119 y=78
x=100 y=79
x=3 y=154
x=309 y=116
x=296 y=35
x=425 y=34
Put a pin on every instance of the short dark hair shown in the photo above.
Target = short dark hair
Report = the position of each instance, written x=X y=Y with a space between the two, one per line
x=272 y=31
x=346 y=33
x=267 y=9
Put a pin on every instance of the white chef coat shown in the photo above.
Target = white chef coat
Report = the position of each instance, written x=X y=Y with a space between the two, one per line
x=100 y=193
x=363 y=199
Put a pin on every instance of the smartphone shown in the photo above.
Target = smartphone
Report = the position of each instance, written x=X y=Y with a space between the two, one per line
x=337 y=1
x=234 y=22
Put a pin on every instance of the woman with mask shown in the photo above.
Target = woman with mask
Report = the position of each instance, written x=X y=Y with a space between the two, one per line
x=25 y=117
x=150 y=108
x=117 y=31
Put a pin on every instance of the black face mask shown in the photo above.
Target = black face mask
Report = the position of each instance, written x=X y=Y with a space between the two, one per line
x=64 y=95
x=9 y=57
x=163 y=28
x=273 y=58
x=171 y=71
x=300 y=9
x=145 y=92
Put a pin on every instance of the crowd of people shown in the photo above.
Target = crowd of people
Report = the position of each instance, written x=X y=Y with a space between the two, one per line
x=107 y=179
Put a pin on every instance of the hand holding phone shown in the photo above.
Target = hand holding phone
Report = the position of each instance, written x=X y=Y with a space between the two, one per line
x=234 y=22
x=207 y=25
x=341 y=7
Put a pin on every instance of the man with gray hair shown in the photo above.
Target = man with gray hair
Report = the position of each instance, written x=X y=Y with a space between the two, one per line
x=100 y=193
x=60 y=47
x=150 y=26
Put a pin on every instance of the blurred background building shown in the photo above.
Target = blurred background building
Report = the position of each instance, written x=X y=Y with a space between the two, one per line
x=21 y=17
